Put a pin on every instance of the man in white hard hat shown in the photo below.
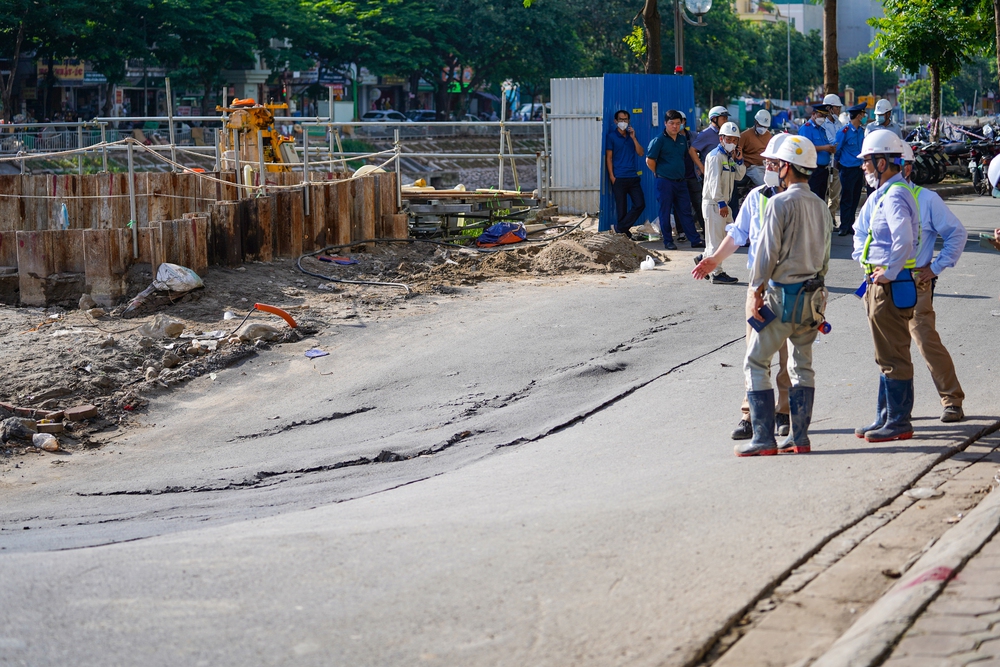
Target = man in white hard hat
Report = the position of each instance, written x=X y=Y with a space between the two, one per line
x=832 y=127
x=723 y=167
x=787 y=276
x=753 y=141
x=815 y=131
x=936 y=219
x=746 y=229
x=708 y=138
x=885 y=243
x=883 y=120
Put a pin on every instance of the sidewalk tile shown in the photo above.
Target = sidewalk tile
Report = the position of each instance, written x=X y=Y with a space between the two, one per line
x=980 y=588
x=960 y=606
x=933 y=623
x=935 y=645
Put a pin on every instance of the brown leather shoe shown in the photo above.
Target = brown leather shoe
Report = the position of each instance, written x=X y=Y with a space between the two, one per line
x=953 y=413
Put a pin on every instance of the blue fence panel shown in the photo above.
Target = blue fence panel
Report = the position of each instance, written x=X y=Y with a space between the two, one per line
x=647 y=97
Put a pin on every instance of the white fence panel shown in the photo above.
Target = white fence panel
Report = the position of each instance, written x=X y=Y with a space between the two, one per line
x=577 y=108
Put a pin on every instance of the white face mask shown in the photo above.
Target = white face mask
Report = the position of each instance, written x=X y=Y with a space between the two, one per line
x=871 y=180
x=820 y=120
x=771 y=179
x=760 y=130
x=728 y=147
x=622 y=125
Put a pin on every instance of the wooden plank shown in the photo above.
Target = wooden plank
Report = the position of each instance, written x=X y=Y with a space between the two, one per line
x=34 y=205
x=362 y=209
x=296 y=223
x=316 y=220
x=106 y=265
x=67 y=249
x=281 y=242
x=182 y=242
x=34 y=266
x=339 y=212
x=10 y=209
x=396 y=226
x=160 y=186
x=8 y=248
x=265 y=223
x=226 y=247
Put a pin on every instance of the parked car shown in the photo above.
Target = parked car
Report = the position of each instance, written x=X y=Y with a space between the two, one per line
x=422 y=115
x=384 y=117
x=532 y=111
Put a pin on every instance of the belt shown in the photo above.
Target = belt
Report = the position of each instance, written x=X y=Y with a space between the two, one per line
x=672 y=180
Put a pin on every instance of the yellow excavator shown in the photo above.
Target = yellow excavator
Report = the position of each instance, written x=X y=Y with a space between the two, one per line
x=246 y=118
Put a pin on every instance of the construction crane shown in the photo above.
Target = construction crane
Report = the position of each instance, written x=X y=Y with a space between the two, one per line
x=249 y=131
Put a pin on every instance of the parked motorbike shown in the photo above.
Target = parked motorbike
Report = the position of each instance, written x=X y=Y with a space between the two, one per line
x=981 y=154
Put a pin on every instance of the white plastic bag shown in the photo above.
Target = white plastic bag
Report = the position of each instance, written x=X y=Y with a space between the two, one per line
x=174 y=278
x=647 y=264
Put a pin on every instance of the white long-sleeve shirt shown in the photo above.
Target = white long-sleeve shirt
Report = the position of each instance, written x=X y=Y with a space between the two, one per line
x=721 y=174
x=748 y=221
x=891 y=215
x=936 y=219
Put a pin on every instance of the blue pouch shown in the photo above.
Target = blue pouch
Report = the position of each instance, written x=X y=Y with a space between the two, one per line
x=789 y=302
x=903 y=290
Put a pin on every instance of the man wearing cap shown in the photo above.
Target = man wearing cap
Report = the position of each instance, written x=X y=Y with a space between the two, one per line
x=787 y=276
x=665 y=158
x=849 y=140
x=885 y=243
x=752 y=143
x=815 y=131
x=936 y=219
x=723 y=167
x=833 y=126
x=746 y=230
x=883 y=120
x=621 y=157
x=708 y=138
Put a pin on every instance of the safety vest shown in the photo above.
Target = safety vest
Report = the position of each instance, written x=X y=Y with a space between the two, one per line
x=910 y=263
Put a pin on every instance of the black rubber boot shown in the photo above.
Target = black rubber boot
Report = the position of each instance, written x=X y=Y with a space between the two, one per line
x=899 y=405
x=762 y=420
x=881 y=413
x=800 y=403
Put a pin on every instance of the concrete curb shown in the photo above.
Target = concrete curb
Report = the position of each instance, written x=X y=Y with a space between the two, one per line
x=955 y=190
x=874 y=634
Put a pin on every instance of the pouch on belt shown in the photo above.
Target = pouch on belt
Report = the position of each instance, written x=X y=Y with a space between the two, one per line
x=903 y=290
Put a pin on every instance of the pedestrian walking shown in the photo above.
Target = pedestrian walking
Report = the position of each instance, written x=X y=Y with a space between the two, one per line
x=814 y=130
x=753 y=141
x=708 y=138
x=883 y=120
x=621 y=157
x=936 y=219
x=833 y=125
x=665 y=158
x=723 y=167
x=746 y=230
x=849 y=141
x=885 y=243
x=693 y=170
x=787 y=276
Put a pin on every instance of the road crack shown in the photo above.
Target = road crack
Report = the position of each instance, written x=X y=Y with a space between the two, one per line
x=306 y=422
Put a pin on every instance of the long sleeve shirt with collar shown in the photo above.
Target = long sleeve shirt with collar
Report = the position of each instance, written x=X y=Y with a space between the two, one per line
x=893 y=127
x=721 y=173
x=794 y=240
x=816 y=134
x=936 y=219
x=890 y=213
x=748 y=221
x=705 y=141
x=849 y=142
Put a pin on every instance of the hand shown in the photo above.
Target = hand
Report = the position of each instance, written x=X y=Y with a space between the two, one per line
x=758 y=303
x=724 y=211
x=924 y=274
x=612 y=180
x=878 y=276
x=738 y=153
x=629 y=131
x=705 y=267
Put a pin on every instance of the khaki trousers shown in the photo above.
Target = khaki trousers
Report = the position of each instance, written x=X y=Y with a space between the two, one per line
x=782 y=379
x=939 y=363
x=890 y=329
x=715 y=228
x=775 y=336
x=833 y=193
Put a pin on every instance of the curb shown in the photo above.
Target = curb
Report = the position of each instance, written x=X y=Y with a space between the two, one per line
x=955 y=190
x=873 y=635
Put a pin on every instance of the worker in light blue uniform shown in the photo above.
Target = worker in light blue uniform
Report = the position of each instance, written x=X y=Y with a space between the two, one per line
x=833 y=126
x=815 y=131
x=936 y=219
x=849 y=141
x=885 y=243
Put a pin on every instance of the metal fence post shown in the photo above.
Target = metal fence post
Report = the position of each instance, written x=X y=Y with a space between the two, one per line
x=79 y=145
x=133 y=223
x=170 y=121
x=104 y=149
x=503 y=116
x=305 y=168
x=262 y=179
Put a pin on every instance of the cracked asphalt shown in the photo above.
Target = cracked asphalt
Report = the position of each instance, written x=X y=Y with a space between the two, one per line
x=538 y=473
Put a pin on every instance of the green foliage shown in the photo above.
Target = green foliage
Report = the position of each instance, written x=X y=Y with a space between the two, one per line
x=768 y=71
x=636 y=41
x=975 y=79
x=716 y=55
x=857 y=74
x=916 y=97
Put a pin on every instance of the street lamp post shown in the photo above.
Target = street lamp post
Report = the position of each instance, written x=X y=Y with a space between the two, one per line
x=697 y=7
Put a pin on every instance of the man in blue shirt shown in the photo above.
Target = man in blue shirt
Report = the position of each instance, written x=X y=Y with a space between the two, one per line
x=814 y=131
x=621 y=157
x=708 y=138
x=849 y=141
x=665 y=158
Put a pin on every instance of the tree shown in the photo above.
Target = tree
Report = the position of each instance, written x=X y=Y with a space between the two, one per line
x=866 y=72
x=976 y=77
x=651 y=31
x=719 y=55
x=941 y=34
x=768 y=73
x=916 y=96
x=831 y=57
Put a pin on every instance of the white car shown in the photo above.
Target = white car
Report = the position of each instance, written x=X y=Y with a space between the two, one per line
x=385 y=117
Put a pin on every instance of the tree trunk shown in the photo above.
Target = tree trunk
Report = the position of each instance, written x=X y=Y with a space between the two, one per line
x=831 y=63
x=651 y=25
x=8 y=87
x=996 y=18
x=935 y=100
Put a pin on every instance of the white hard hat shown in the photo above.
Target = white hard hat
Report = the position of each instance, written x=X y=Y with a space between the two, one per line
x=883 y=106
x=844 y=117
x=763 y=118
x=907 y=152
x=833 y=100
x=729 y=129
x=993 y=173
x=797 y=150
x=771 y=152
x=881 y=142
x=715 y=112
x=684 y=116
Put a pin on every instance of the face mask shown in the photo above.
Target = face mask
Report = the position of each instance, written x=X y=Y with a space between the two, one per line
x=622 y=125
x=760 y=130
x=871 y=180
x=820 y=120
x=881 y=118
x=771 y=179
x=728 y=147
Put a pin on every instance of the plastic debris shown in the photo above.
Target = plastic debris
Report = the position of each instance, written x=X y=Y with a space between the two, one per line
x=647 y=264
x=257 y=331
x=923 y=493
x=316 y=352
x=161 y=327
x=45 y=441
x=229 y=315
x=169 y=278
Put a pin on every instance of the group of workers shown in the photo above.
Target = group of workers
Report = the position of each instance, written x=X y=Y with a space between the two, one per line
x=787 y=222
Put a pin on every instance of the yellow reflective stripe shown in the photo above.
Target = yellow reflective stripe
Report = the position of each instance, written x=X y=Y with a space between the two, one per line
x=910 y=263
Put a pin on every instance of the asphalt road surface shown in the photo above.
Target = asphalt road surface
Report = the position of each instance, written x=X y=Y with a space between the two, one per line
x=539 y=473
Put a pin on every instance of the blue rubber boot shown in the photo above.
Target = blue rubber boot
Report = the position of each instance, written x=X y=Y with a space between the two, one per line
x=762 y=421
x=881 y=414
x=800 y=404
x=899 y=402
